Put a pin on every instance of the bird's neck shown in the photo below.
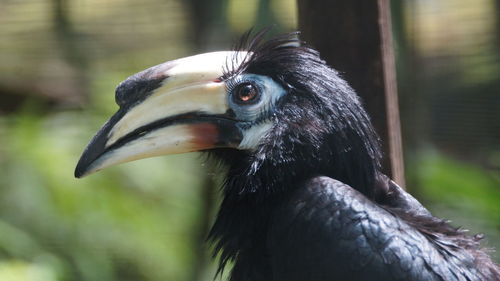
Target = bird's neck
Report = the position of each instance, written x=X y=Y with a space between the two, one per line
x=255 y=186
x=239 y=233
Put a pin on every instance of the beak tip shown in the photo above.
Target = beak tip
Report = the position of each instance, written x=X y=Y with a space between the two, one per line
x=84 y=166
x=80 y=170
x=78 y=174
x=94 y=149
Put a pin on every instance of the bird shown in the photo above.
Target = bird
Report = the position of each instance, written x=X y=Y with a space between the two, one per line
x=304 y=197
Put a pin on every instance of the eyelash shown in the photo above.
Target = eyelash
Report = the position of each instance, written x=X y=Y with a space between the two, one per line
x=235 y=64
x=233 y=82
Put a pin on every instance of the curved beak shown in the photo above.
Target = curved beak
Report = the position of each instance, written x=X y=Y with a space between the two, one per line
x=175 y=107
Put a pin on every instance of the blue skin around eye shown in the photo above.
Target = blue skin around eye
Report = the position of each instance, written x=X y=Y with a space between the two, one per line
x=270 y=92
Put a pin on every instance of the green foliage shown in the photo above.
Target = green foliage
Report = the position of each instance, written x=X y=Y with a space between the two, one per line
x=465 y=193
x=133 y=222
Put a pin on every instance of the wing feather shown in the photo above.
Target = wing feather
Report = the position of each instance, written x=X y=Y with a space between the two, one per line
x=329 y=231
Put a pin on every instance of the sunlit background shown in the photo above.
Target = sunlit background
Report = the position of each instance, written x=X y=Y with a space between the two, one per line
x=60 y=61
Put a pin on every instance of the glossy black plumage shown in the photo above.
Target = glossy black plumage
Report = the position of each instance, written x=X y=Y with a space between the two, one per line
x=345 y=236
x=309 y=203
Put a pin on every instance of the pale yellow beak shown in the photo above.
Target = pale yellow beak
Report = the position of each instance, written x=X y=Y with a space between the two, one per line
x=176 y=107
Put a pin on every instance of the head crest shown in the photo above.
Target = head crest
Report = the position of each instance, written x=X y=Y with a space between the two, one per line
x=255 y=46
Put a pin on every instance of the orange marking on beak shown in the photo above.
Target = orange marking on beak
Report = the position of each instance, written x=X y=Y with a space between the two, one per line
x=206 y=135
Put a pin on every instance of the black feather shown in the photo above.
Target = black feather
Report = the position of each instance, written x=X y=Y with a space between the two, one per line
x=320 y=129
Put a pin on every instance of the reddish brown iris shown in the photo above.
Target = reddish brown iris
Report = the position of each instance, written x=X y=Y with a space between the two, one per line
x=245 y=93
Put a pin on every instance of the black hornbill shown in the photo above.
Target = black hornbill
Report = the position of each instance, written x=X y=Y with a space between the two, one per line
x=303 y=197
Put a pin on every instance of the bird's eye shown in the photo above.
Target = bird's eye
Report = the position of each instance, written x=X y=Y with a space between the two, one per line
x=246 y=93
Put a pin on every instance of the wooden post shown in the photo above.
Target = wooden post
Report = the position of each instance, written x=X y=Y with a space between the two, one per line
x=354 y=37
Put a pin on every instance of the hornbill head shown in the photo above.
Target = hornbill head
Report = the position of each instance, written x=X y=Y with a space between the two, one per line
x=272 y=110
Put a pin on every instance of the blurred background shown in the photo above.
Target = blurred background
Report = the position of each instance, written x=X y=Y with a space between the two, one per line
x=60 y=61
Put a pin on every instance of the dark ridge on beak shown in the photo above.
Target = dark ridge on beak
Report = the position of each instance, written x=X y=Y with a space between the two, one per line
x=138 y=87
x=96 y=148
x=185 y=118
